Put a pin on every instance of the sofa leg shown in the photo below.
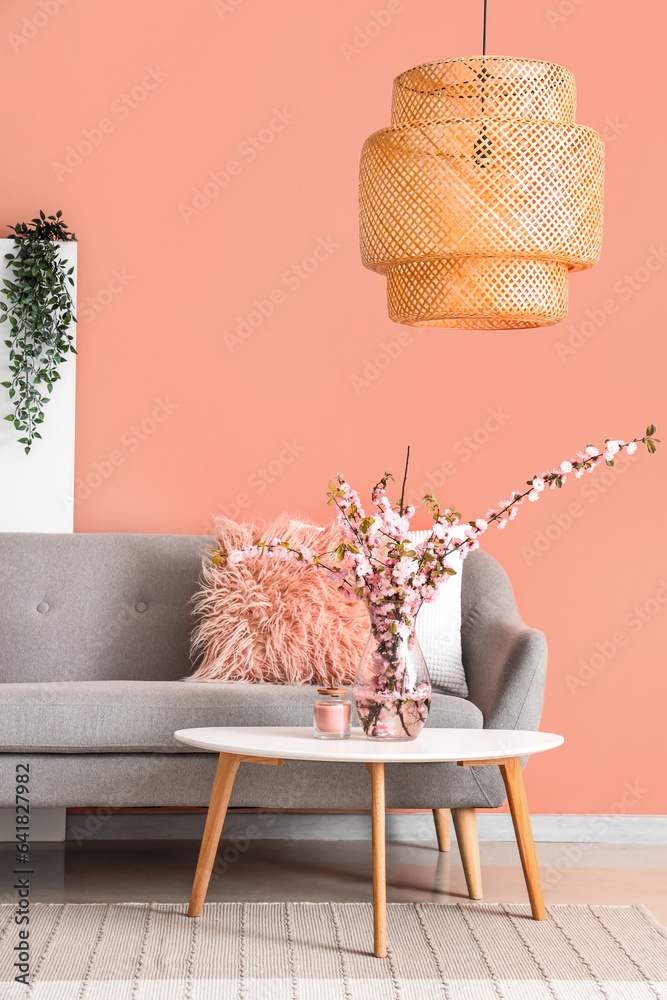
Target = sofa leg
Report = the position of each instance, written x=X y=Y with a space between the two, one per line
x=441 y=818
x=465 y=825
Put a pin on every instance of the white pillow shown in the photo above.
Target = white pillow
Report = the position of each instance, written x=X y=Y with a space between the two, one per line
x=439 y=631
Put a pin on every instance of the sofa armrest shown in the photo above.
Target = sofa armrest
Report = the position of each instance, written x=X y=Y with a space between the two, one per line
x=504 y=660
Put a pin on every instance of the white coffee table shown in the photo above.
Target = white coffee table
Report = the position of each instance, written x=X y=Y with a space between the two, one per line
x=273 y=745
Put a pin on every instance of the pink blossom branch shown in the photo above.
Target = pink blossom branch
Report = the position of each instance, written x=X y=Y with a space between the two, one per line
x=395 y=586
x=584 y=462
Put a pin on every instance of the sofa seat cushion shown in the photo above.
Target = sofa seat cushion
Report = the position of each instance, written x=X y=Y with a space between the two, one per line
x=142 y=716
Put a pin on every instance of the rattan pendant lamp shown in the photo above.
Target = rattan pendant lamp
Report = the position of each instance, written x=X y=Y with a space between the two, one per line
x=482 y=194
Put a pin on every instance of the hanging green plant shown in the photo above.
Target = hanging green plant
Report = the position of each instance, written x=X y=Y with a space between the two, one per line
x=39 y=307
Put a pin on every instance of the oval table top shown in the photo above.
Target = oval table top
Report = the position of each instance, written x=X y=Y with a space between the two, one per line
x=298 y=743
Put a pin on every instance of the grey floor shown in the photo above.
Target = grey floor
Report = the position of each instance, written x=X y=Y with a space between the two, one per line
x=110 y=871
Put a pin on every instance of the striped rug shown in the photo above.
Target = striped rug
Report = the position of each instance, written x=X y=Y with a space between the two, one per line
x=321 y=951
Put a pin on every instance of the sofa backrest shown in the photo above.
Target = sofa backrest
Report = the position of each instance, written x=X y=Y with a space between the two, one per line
x=97 y=606
x=119 y=606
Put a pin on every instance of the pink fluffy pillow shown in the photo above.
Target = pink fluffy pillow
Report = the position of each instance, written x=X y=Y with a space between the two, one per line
x=273 y=620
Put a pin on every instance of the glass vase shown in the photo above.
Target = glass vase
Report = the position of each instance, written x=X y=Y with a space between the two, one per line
x=392 y=689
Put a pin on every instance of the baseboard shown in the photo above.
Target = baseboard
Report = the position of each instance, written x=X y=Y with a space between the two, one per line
x=558 y=828
x=240 y=824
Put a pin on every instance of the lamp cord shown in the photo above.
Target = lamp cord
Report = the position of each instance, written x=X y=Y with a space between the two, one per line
x=482 y=145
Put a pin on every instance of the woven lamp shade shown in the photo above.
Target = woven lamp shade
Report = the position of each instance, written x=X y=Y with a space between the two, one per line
x=481 y=195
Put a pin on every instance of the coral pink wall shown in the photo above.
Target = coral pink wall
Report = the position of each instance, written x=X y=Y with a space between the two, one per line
x=176 y=421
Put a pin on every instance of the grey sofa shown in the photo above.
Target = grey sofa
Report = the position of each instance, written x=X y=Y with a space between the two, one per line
x=94 y=642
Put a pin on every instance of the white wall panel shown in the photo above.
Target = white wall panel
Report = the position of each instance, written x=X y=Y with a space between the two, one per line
x=34 y=488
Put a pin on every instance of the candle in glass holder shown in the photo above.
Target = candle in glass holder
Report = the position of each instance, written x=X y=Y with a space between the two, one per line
x=332 y=714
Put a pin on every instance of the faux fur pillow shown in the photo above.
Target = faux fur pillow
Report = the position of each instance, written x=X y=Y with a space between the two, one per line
x=273 y=620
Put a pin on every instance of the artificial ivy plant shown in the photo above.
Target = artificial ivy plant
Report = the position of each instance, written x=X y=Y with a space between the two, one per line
x=39 y=307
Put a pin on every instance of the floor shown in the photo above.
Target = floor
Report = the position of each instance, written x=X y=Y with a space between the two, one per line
x=110 y=871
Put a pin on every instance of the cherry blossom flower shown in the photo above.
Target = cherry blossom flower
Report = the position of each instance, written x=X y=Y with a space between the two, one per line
x=377 y=562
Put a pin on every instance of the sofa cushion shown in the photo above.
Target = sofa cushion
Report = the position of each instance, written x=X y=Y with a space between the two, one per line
x=274 y=620
x=136 y=716
x=439 y=627
x=97 y=607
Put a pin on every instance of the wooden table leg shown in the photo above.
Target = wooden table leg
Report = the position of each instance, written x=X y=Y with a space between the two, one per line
x=516 y=796
x=465 y=825
x=228 y=765
x=441 y=819
x=376 y=772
